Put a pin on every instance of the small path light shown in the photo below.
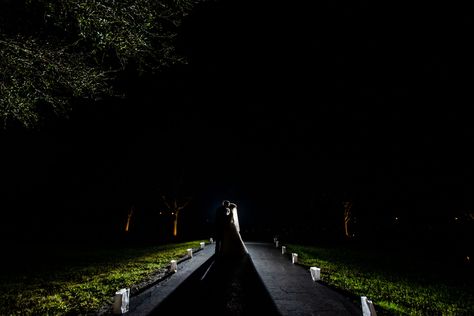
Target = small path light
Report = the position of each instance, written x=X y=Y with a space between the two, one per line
x=174 y=266
x=294 y=258
x=121 y=302
x=190 y=252
x=283 y=250
x=315 y=273
x=202 y=244
x=368 y=308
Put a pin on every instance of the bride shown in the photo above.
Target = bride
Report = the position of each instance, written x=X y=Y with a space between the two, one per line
x=232 y=243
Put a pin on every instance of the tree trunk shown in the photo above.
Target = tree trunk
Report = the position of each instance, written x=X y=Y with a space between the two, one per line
x=346 y=227
x=175 y=225
x=347 y=218
x=130 y=213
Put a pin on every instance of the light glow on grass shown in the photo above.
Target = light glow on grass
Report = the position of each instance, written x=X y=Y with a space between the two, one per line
x=84 y=282
x=395 y=290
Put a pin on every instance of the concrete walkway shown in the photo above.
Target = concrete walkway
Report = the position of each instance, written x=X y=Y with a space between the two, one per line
x=291 y=286
x=144 y=303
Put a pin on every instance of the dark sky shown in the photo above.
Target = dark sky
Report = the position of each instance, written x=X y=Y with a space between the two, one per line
x=278 y=104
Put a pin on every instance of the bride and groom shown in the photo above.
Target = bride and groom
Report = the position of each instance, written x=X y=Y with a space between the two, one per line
x=229 y=243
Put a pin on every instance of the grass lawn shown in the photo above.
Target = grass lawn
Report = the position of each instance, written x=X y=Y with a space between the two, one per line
x=398 y=284
x=79 y=280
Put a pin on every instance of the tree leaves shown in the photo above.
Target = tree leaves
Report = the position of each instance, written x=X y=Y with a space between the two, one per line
x=34 y=73
x=78 y=49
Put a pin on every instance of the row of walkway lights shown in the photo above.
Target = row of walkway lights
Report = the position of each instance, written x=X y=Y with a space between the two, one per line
x=121 y=304
x=189 y=252
x=368 y=308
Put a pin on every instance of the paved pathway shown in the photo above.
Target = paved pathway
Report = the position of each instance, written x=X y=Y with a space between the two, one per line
x=144 y=303
x=291 y=286
x=268 y=283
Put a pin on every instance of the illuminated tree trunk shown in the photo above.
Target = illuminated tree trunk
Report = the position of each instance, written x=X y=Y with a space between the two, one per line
x=347 y=217
x=173 y=206
x=175 y=225
x=129 y=217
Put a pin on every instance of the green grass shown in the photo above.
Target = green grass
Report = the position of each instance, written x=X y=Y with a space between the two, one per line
x=397 y=285
x=74 y=281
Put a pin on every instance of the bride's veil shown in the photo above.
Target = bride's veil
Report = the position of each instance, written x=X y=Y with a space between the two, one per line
x=236 y=218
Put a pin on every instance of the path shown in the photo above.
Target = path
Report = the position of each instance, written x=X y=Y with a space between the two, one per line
x=291 y=287
x=264 y=283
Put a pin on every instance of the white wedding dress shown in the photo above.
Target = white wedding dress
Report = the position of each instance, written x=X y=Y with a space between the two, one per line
x=232 y=243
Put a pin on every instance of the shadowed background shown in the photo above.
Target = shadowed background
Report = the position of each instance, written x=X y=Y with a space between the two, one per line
x=289 y=110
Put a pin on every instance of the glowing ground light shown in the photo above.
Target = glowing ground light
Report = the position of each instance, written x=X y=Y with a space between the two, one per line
x=121 y=301
x=174 y=266
x=368 y=308
x=315 y=273
x=294 y=258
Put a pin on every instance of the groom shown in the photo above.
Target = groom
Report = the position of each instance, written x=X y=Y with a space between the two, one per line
x=221 y=214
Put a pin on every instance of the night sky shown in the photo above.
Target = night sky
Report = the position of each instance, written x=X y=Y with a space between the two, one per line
x=279 y=107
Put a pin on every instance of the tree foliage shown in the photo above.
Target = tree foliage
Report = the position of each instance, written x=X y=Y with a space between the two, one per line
x=54 y=51
x=35 y=76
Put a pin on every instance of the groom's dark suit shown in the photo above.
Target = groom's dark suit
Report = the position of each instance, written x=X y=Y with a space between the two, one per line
x=220 y=221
